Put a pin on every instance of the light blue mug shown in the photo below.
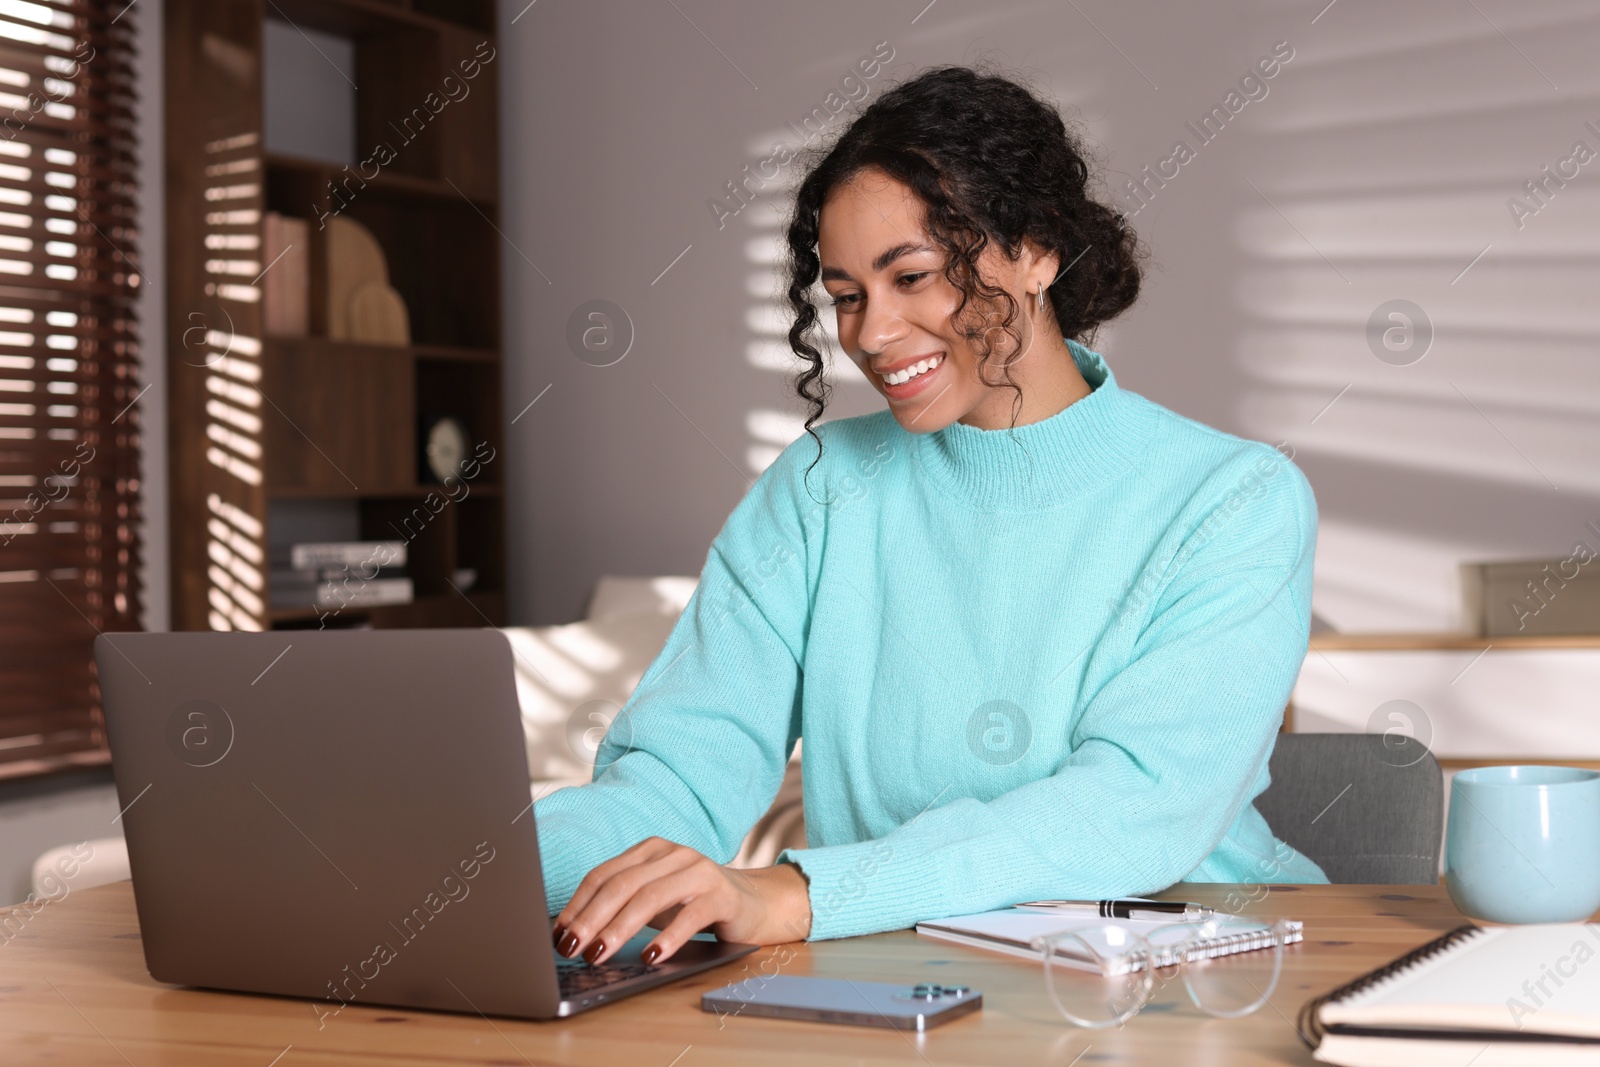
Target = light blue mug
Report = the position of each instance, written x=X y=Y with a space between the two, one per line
x=1522 y=844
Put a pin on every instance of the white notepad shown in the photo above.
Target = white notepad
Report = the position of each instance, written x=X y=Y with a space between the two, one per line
x=1012 y=931
x=1503 y=995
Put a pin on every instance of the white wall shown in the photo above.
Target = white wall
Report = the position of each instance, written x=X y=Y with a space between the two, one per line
x=39 y=814
x=1377 y=167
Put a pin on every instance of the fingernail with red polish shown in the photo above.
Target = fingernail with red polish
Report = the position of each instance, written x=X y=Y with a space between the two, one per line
x=568 y=944
x=557 y=932
x=592 y=953
x=651 y=954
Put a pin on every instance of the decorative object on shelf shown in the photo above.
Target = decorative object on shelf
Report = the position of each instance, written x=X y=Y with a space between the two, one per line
x=445 y=444
x=1509 y=598
x=465 y=578
x=377 y=315
x=362 y=306
x=286 y=280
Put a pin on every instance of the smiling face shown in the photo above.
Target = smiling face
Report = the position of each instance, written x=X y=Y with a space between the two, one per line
x=895 y=306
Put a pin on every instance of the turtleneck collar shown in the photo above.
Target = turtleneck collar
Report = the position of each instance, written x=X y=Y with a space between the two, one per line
x=1045 y=463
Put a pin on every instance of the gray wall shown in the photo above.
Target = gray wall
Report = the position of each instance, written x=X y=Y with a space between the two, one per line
x=1377 y=167
x=39 y=814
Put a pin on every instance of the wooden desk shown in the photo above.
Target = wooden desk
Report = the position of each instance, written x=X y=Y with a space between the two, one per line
x=74 y=990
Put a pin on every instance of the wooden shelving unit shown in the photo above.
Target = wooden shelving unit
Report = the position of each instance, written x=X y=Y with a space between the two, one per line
x=1456 y=641
x=260 y=423
x=1446 y=641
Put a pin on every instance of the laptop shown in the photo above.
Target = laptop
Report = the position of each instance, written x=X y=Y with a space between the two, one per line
x=345 y=816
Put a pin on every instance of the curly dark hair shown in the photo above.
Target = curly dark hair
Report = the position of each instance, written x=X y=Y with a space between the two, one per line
x=990 y=161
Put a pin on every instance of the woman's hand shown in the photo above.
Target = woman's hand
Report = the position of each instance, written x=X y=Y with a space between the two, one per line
x=680 y=892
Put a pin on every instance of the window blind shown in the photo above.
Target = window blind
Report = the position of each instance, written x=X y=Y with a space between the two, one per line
x=69 y=363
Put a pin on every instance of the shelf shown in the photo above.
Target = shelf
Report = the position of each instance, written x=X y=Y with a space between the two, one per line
x=385 y=181
x=464 y=355
x=330 y=348
x=1452 y=763
x=1444 y=641
x=483 y=19
x=345 y=416
x=333 y=348
x=362 y=18
x=405 y=492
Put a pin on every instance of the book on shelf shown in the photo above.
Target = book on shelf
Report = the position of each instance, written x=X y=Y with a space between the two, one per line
x=349 y=592
x=302 y=584
x=286 y=281
x=305 y=555
x=309 y=576
x=359 y=593
x=339 y=574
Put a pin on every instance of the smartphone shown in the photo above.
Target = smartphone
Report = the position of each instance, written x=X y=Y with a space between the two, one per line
x=841 y=1000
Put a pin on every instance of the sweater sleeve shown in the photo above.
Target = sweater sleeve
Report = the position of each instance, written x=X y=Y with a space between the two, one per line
x=698 y=751
x=1165 y=754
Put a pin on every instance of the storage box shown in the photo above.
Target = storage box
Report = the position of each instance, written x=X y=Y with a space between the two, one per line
x=1504 y=599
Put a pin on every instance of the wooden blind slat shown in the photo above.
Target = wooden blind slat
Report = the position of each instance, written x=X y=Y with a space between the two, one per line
x=69 y=371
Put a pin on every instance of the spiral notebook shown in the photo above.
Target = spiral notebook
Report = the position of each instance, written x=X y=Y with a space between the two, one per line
x=1012 y=930
x=1497 y=996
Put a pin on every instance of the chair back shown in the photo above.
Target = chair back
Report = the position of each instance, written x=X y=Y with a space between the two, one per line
x=1368 y=808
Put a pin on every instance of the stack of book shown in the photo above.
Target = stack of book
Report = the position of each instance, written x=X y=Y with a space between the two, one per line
x=340 y=574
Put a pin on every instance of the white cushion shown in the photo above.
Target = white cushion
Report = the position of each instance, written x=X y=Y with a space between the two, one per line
x=80 y=866
x=572 y=680
x=616 y=596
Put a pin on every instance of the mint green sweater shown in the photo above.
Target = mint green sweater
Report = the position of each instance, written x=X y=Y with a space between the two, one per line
x=1046 y=662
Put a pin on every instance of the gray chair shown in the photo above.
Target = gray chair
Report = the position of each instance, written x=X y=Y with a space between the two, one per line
x=1368 y=808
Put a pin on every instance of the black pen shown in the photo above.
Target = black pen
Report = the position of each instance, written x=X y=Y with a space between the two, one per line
x=1134 y=908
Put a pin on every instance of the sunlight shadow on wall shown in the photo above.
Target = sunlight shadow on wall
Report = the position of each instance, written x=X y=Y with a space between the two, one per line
x=1363 y=195
x=767 y=319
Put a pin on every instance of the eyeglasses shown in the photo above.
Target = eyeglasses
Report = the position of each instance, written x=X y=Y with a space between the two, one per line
x=1102 y=975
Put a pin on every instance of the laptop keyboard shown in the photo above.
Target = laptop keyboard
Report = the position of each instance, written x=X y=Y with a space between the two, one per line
x=576 y=976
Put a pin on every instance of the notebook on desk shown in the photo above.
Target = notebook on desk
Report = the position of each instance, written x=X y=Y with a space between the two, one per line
x=1013 y=930
x=1491 y=996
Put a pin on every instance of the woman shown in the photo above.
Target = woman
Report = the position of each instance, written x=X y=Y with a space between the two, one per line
x=1037 y=632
